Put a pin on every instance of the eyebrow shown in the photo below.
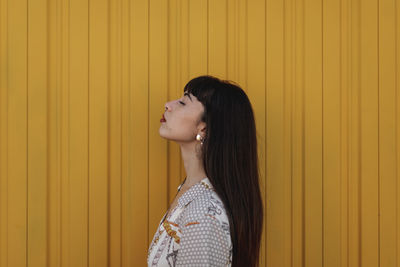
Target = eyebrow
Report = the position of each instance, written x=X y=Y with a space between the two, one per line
x=188 y=96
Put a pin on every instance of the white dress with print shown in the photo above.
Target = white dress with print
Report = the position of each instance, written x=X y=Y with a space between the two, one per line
x=196 y=233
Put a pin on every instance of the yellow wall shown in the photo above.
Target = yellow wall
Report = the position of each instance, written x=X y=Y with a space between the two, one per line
x=85 y=176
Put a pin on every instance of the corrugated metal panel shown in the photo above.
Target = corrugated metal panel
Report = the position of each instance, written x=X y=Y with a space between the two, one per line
x=85 y=176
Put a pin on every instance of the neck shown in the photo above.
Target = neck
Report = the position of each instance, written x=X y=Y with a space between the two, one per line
x=193 y=164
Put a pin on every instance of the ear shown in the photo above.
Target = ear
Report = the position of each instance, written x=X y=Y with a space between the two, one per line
x=202 y=126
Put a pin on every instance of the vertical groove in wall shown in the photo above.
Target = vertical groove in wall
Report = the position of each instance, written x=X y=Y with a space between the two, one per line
x=208 y=37
x=180 y=62
x=88 y=144
x=353 y=166
x=188 y=37
x=63 y=109
x=27 y=132
x=177 y=48
x=129 y=104
x=4 y=134
x=352 y=163
x=359 y=158
x=120 y=116
x=234 y=26
x=377 y=141
x=323 y=52
x=58 y=150
x=397 y=131
x=59 y=106
x=171 y=89
x=322 y=136
x=341 y=149
x=265 y=210
x=246 y=45
x=187 y=41
x=347 y=92
x=121 y=83
x=179 y=45
x=397 y=117
x=292 y=83
x=4 y=87
x=226 y=38
x=178 y=76
x=344 y=133
x=67 y=110
x=303 y=133
x=48 y=132
x=126 y=231
x=6 y=116
x=236 y=39
x=168 y=80
x=148 y=114
x=108 y=138
x=286 y=117
x=58 y=88
x=2 y=160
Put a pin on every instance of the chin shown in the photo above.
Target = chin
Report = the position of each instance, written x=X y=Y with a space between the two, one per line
x=162 y=134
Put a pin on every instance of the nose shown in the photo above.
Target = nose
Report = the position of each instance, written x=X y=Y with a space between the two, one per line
x=169 y=105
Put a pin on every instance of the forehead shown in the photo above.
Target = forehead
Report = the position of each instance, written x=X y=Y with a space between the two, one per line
x=190 y=96
x=193 y=100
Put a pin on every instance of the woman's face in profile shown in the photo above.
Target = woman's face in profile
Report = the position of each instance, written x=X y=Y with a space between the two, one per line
x=182 y=119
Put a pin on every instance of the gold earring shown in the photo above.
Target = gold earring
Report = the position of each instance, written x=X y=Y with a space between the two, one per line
x=199 y=138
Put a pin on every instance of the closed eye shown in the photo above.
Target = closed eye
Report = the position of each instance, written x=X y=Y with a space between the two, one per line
x=181 y=102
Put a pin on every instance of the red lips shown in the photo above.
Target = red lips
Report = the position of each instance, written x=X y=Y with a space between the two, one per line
x=163 y=119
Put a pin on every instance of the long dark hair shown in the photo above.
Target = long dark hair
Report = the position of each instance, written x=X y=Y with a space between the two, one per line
x=231 y=162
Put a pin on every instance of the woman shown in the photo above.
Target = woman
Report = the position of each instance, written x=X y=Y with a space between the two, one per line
x=217 y=216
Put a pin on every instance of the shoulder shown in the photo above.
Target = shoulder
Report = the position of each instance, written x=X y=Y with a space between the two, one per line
x=207 y=209
x=205 y=239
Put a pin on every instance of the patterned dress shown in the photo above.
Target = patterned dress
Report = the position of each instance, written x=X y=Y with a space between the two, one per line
x=196 y=232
